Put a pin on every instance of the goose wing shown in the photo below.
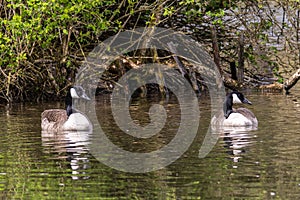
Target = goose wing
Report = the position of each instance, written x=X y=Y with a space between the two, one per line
x=247 y=113
x=52 y=120
x=55 y=115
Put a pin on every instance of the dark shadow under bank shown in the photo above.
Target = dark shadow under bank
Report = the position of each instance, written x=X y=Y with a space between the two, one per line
x=120 y=67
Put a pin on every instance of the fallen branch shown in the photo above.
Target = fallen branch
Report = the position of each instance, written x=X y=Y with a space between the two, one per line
x=287 y=85
x=292 y=81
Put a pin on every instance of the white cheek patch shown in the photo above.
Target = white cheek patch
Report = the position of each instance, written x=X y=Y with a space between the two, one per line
x=74 y=93
x=236 y=99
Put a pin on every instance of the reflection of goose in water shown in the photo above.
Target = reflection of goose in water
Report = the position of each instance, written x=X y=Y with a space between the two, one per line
x=230 y=117
x=236 y=142
x=70 y=146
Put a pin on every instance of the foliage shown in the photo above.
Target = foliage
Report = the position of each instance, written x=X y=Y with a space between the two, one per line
x=39 y=39
x=43 y=42
x=270 y=30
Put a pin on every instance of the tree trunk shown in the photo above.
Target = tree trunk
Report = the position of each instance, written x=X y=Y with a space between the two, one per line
x=215 y=47
x=241 y=59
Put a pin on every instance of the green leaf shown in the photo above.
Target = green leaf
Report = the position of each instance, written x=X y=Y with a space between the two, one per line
x=65 y=31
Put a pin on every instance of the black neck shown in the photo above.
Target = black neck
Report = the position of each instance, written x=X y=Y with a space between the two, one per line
x=68 y=102
x=227 y=106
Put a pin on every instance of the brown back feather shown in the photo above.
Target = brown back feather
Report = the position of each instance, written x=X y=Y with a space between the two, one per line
x=54 y=118
x=55 y=115
x=247 y=113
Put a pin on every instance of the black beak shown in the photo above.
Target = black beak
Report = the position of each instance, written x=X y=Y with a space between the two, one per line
x=247 y=101
x=84 y=96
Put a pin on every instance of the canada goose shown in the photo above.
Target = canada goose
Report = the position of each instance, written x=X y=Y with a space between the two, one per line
x=69 y=119
x=240 y=117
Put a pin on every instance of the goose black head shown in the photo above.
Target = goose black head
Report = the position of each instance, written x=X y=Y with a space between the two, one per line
x=238 y=97
x=231 y=98
x=75 y=92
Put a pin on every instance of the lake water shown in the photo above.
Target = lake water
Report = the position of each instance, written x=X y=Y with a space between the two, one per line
x=258 y=164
